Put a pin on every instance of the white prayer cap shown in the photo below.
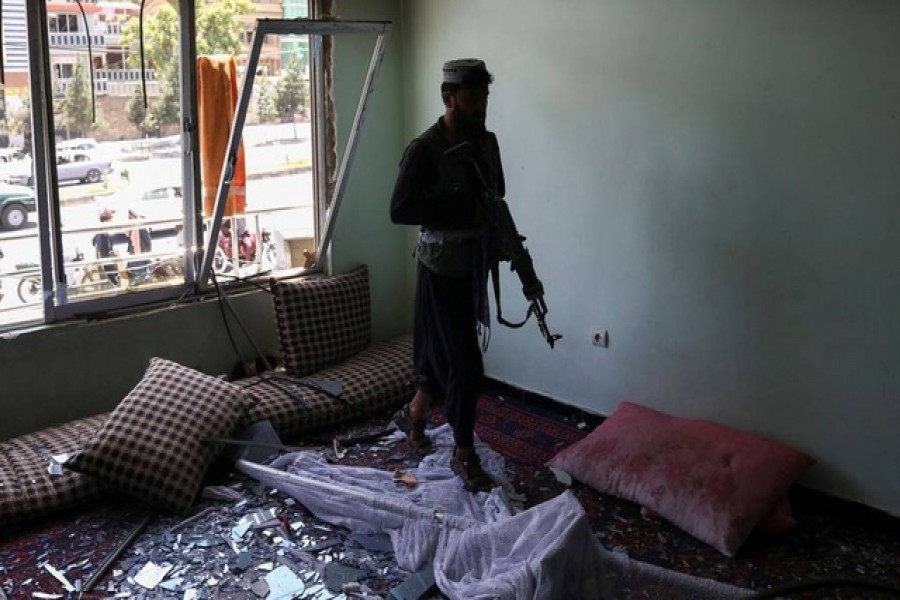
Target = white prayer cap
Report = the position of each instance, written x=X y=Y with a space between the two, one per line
x=460 y=70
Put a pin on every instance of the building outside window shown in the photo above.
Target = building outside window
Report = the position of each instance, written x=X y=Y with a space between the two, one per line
x=295 y=48
x=100 y=202
x=63 y=23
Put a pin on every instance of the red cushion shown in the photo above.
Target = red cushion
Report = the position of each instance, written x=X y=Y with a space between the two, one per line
x=714 y=482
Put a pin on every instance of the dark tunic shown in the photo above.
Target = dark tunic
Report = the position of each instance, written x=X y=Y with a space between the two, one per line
x=439 y=193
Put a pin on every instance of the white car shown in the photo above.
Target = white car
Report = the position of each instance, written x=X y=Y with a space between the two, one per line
x=8 y=155
x=160 y=203
x=83 y=170
x=161 y=207
x=79 y=149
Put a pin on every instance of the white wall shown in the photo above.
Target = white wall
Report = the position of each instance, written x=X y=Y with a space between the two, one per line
x=714 y=182
x=365 y=232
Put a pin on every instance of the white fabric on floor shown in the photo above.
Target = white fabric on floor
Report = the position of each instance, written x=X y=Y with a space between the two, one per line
x=480 y=547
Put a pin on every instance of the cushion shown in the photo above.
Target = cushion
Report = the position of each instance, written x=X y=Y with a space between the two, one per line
x=779 y=520
x=378 y=378
x=152 y=444
x=27 y=487
x=321 y=320
x=714 y=482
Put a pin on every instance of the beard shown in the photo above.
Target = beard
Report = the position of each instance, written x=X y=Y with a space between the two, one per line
x=470 y=125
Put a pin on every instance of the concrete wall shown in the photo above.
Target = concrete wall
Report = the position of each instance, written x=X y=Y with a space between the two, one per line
x=715 y=183
x=60 y=373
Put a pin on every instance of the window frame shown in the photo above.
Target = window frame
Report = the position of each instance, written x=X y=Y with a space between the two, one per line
x=46 y=184
x=325 y=206
x=64 y=23
x=198 y=247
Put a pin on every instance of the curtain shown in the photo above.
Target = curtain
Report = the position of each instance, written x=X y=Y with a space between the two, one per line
x=217 y=97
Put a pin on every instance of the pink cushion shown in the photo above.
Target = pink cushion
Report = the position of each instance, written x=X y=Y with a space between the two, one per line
x=714 y=482
x=779 y=520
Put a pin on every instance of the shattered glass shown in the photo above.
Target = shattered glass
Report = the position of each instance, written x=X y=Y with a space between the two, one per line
x=243 y=541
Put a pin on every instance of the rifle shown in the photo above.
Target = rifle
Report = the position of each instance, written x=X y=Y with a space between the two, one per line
x=512 y=249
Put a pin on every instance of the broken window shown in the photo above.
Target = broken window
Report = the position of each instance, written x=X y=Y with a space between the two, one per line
x=105 y=208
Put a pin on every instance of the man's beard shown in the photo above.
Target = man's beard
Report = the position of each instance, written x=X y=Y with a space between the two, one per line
x=470 y=126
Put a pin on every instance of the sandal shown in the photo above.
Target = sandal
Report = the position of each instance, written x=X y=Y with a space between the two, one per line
x=418 y=441
x=474 y=478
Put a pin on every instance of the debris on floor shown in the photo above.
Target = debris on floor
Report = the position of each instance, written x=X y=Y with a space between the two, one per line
x=263 y=545
x=243 y=540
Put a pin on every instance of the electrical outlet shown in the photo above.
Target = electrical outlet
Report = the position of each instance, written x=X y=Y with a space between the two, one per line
x=600 y=337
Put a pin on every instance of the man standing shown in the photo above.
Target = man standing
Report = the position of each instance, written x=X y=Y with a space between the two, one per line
x=439 y=189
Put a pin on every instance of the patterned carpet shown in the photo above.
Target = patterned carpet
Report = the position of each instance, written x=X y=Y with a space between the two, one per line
x=832 y=538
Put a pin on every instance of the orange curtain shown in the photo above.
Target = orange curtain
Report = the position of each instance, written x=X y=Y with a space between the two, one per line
x=217 y=101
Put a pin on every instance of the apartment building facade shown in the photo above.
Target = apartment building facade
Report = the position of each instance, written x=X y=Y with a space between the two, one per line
x=91 y=35
x=95 y=38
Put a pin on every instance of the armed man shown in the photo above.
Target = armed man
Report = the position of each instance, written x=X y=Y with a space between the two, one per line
x=443 y=195
x=451 y=184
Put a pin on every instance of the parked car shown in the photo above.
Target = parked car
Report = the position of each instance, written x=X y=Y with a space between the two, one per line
x=160 y=203
x=83 y=170
x=17 y=171
x=16 y=202
x=10 y=155
x=79 y=149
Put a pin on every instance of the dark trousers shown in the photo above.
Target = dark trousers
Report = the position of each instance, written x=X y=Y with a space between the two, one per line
x=447 y=356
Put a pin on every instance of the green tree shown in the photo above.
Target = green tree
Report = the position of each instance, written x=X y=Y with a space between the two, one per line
x=161 y=50
x=265 y=103
x=218 y=28
x=218 y=31
x=77 y=115
x=20 y=122
x=165 y=108
x=135 y=111
x=293 y=91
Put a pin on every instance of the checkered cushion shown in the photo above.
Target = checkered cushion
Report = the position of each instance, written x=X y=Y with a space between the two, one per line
x=27 y=490
x=322 y=320
x=151 y=447
x=377 y=378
